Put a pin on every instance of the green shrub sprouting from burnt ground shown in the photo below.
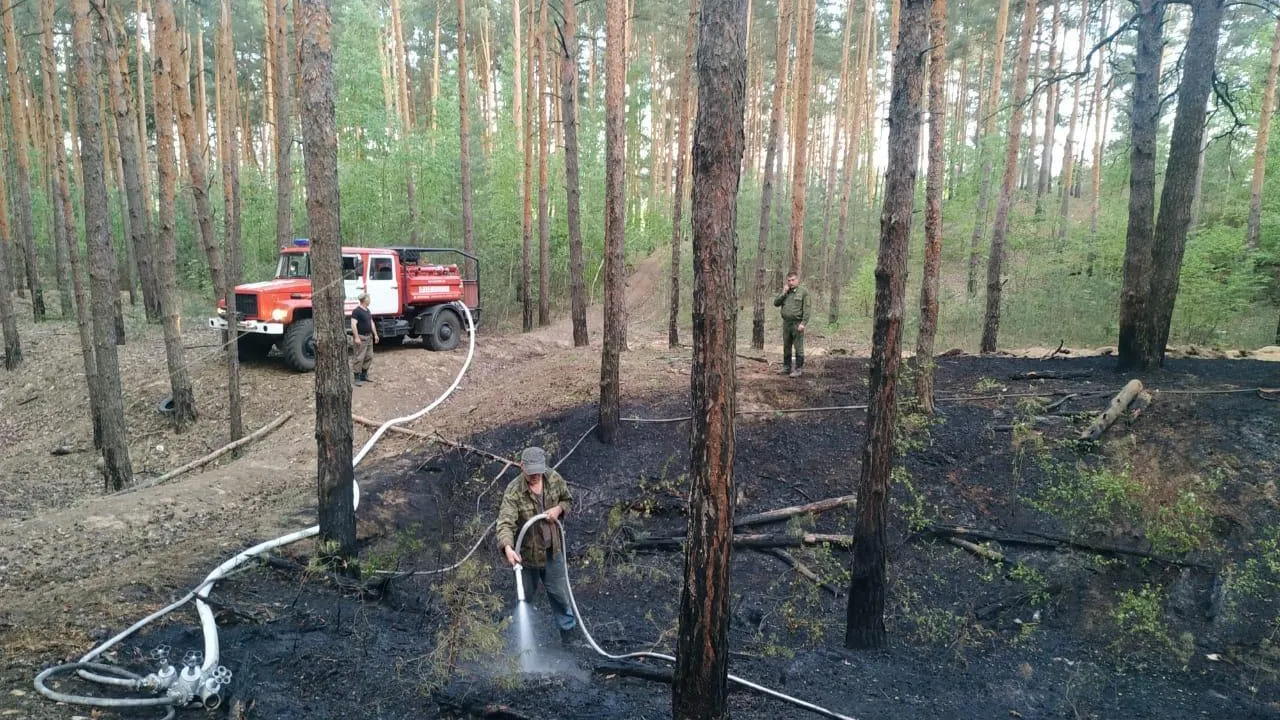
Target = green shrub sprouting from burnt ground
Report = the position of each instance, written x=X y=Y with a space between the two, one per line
x=408 y=543
x=1255 y=578
x=470 y=632
x=1174 y=513
x=1140 y=635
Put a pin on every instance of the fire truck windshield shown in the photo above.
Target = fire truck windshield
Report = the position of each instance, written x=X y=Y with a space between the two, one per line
x=294 y=265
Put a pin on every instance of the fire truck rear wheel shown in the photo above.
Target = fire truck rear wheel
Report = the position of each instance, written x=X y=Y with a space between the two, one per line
x=299 y=345
x=447 y=331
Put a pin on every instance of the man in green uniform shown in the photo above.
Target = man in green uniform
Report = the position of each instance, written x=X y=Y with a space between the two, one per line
x=538 y=490
x=794 y=302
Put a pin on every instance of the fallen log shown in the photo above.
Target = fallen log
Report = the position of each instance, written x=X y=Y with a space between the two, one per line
x=194 y=464
x=394 y=428
x=748 y=541
x=477 y=707
x=1052 y=375
x=622 y=668
x=1118 y=405
x=789 y=512
x=976 y=549
x=1053 y=406
x=802 y=569
x=1049 y=540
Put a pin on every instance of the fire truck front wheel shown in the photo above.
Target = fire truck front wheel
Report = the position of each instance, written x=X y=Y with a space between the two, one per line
x=299 y=345
x=446 y=333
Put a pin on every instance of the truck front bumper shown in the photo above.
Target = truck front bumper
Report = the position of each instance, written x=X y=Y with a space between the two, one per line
x=249 y=326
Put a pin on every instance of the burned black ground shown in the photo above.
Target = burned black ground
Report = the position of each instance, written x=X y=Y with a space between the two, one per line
x=1037 y=637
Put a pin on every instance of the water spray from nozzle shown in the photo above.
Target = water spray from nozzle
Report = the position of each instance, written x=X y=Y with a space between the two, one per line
x=519 y=583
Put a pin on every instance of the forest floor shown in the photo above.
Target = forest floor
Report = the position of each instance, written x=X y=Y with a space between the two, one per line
x=1153 y=591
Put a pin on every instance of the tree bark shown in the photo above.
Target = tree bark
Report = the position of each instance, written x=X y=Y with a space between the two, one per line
x=771 y=160
x=1050 y=110
x=681 y=166
x=8 y=323
x=569 y=110
x=933 y=206
x=283 y=130
x=700 y=685
x=1254 y=228
x=544 y=192
x=24 y=223
x=1144 y=122
x=986 y=130
x=1068 y=152
x=226 y=94
x=865 y=614
x=1184 y=159
x=1100 y=131
x=117 y=468
x=406 y=114
x=334 y=472
x=166 y=24
x=995 y=283
x=517 y=81
x=133 y=167
x=858 y=110
x=53 y=148
x=184 y=402
x=831 y=189
x=615 y=198
x=526 y=193
x=464 y=136
x=800 y=167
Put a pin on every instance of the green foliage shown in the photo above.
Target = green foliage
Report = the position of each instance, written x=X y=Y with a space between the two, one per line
x=470 y=634
x=1141 y=634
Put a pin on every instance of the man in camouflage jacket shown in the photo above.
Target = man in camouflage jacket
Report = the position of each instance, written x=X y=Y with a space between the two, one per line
x=538 y=490
x=794 y=302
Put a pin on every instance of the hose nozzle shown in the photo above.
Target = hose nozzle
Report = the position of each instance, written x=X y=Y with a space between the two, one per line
x=519 y=583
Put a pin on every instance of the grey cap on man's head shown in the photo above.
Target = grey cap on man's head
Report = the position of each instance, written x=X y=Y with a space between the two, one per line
x=533 y=461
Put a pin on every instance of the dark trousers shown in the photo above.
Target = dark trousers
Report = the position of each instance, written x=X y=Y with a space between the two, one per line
x=792 y=338
x=551 y=577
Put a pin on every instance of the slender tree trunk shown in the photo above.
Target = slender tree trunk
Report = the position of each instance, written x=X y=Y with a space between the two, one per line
x=132 y=168
x=867 y=589
x=464 y=135
x=933 y=206
x=284 y=129
x=435 y=67
x=1068 y=152
x=857 y=110
x=1254 y=228
x=700 y=684
x=334 y=473
x=987 y=125
x=771 y=161
x=995 y=281
x=117 y=468
x=1050 y=110
x=201 y=94
x=526 y=192
x=166 y=262
x=1131 y=349
x=406 y=113
x=53 y=148
x=544 y=194
x=615 y=198
x=831 y=189
x=517 y=113
x=1174 y=221
x=24 y=223
x=569 y=109
x=1099 y=135
x=8 y=323
x=681 y=165
x=226 y=95
x=800 y=168
x=272 y=56
x=1028 y=178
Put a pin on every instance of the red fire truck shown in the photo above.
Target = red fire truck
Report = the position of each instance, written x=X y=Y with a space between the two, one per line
x=409 y=296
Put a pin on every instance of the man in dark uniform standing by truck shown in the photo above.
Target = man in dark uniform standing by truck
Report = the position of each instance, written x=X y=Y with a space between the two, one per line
x=794 y=302
x=364 y=334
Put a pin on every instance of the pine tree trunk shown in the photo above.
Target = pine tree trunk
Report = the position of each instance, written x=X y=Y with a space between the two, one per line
x=269 y=79
x=986 y=138
x=1050 y=110
x=526 y=191
x=464 y=135
x=933 y=206
x=681 y=167
x=771 y=161
x=572 y=180
x=1068 y=156
x=995 y=281
x=1132 y=351
x=52 y=100
x=284 y=130
x=132 y=168
x=201 y=94
x=117 y=468
x=24 y=223
x=8 y=323
x=867 y=588
x=1099 y=132
x=406 y=113
x=1170 y=239
x=1254 y=228
x=517 y=79
x=166 y=259
x=857 y=109
x=435 y=67
x=700 y=683
x=800 y=168
x=830 y=189
x=226 y=96
x=544 y=192
x=334 y=472
x=615 y=198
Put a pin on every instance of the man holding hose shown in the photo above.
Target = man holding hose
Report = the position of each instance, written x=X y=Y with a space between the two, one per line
x=538 y=490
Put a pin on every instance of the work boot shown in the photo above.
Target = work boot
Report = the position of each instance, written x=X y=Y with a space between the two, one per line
x=794 y=373
x=569 y=638
x=786 y=370
x=364 y=376
x=357 y=381
x=799 y=367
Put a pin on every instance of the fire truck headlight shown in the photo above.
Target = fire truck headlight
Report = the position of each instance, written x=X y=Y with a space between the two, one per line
x=279 y=314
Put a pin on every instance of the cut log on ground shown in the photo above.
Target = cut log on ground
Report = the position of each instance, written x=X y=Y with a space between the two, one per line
x=802 y=569
x=622 y=668
x=1052 y=375
x=785 y=513
x=367 y=422
x=1049 y=540
x=976 y=549
x=259 y=433
x=1118 y=405
x=749 y=541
